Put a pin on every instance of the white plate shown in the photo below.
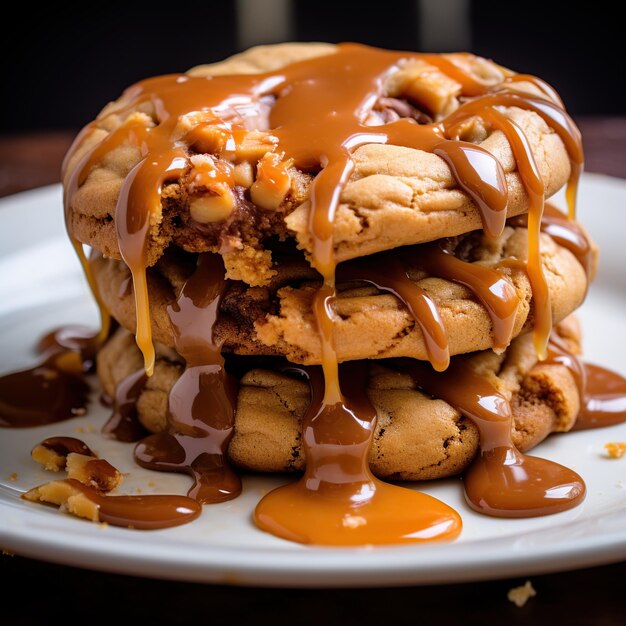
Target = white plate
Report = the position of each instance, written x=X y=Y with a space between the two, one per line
x=41 y=287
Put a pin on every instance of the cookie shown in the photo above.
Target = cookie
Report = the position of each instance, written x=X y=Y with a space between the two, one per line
x=277 y=319
x=417 y=437
x=395 y=196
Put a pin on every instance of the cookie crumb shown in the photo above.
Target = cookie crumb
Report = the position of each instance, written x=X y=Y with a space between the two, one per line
x=13 y=477
x=520 y=595
x=615 y=449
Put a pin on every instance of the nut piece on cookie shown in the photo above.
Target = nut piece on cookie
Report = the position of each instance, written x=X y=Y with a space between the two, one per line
x=427 y=85
x=272 y=182
x=67 y=495
x=209 y=184
x=97 y=473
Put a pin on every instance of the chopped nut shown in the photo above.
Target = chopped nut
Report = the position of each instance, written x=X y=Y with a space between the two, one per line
x=483 y=69
x=272 y=182
x=520 y=595
x=208 y=170
x=214 y=206
x=52 y=452
x=49 y=458
x=209 y=138
x=13 y=477
x=66 y=496
x=428 y=86
x=615 y=449
x=244 y=174
x=192 y=121
x=92 y=472
x=250 y=145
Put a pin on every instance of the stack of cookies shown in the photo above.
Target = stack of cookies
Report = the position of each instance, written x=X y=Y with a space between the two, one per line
x=431 y=266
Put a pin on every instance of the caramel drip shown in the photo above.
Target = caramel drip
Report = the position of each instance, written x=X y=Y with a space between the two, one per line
x=387 y=273
x=604 y=402
x=338 y=501
x=471 y=85
x=489 y=190
x=54 y=389
x=552 y=113
x=536 y=193
x=66 y=445
x=202 y=402
x=124 y=424
x=602 y=392
x=568 y=234
x=565 y=232
x=540 y=84
x=489 y=285
x=150 y=512
x=501 y=482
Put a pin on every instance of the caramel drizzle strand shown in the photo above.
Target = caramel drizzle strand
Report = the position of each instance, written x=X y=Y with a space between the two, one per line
x=502 y=481
x=202 y=402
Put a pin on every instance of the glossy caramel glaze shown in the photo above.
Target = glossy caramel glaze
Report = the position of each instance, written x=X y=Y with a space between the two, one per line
x=124 y=424
x=54 y=390
x=501 y=482
x=338 y=501
x=66 y=445
x=151 y=512
x=202 y=402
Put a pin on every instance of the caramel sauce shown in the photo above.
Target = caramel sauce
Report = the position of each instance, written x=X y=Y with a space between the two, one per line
x=338 y=501
x=568 y=234
x=66 y=445
x=501 y=482
x=602 y=392
x=150 y=512
x=387 y=273
x=604 y=401
x=494 y=290
x=124 y=424
x=53 y=390
x=203 y=400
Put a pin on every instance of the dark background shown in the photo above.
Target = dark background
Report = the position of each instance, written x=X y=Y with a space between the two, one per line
x=61 y=67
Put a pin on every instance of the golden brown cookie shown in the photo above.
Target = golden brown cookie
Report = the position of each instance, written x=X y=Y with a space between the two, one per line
x=417 y=437
x=396 y=196
x=277 y=319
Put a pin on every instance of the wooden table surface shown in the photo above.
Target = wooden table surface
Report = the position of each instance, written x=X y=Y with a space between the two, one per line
x=591 y=596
